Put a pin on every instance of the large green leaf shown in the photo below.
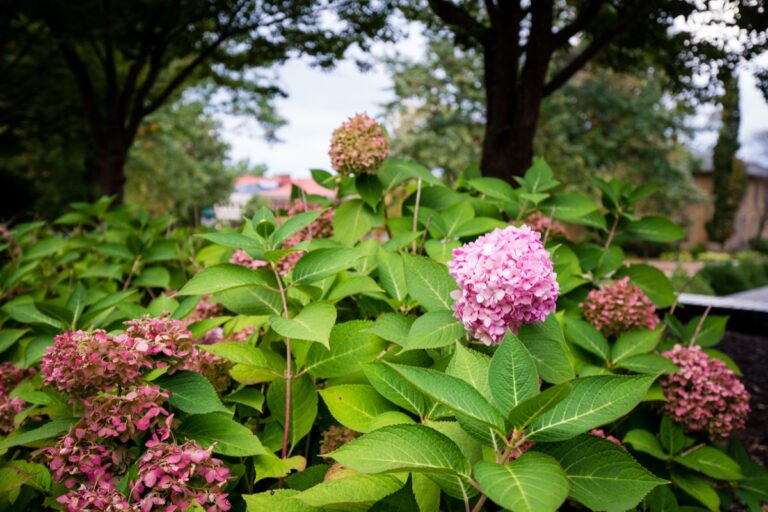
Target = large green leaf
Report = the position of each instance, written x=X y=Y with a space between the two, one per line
x=527 y=411
x=237 y=352
x=191 y=393
x=403 y=448
x=711 y=331
x=655 y=229
x=292 y=225
x=546 y=344
x=672 y=437
x=356 y=493
x=223 y=277
x=227 y=436
x=393 y=327
x=322 y=263
x=471 y=367
x=512 y=374
x=453 y=392
x=313 y=323
x=251 y=300
x=351 y=346
x=594 y=401
x=9 y=336
x=45 y=431
x=352 y=220
x=652 y=281
x=429 y=282
x=433 y=330
x=635 y=342
x=396 y=389
x=710 y=461
x=643 y=441
x=234 y=240
x=303 y=405
x=392 y=274
x=698 y=488
x=603 y=476
x=355 y=405
x=582 y=334
x=534 y=482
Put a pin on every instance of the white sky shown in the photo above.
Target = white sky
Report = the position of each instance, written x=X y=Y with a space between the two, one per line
x=318 y=101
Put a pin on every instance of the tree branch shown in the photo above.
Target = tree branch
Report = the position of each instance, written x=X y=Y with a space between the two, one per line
x=598 y=43
x=85 y=86
x=585 y=16
x=459 y=19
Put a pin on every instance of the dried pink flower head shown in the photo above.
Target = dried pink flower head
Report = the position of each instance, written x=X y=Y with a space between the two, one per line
x=619 y=307
x=335 y=437
x=161 y=337
x=243 y=334
x=10 y=375
x=358 y=146
x=9 y=408
x=205 y=309
x=101 y=497
x=171 y=477
x=84 y=363
x=321 y=227
x=210 y=366
x=242 y=258
x=73 y=461
x=601 y=433
x=704 y=395
x=545 y=224
x=506 y=279
x=123 y=417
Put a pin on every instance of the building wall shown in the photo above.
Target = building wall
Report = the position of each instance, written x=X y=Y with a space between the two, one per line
x=747 y=222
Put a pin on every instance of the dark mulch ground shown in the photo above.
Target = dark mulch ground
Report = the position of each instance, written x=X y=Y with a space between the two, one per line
x=751 y=354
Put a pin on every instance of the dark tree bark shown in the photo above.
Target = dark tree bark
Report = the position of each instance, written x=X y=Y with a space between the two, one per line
x=515 y=92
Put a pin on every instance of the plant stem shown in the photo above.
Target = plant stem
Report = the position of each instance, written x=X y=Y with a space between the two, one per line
x=416 y=213
x=699 y=326
x=480 y=503
x=287 y=422
x=613 y=231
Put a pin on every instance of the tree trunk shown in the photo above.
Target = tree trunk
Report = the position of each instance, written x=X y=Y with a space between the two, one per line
x=111 y=167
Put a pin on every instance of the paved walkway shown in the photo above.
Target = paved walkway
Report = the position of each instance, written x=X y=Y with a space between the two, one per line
x=755 y=294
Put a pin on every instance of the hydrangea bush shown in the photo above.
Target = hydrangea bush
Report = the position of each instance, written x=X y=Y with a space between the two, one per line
x=407 y=345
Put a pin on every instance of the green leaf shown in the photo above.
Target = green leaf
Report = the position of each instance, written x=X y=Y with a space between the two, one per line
x=393 y=172
x=569 y=207
x=75 y=303
x=546 y=344
x=635 y=342
x=293 y=225
x=472 y=367
x=27 y=313
x=393 y=327
x=392 y=275
x=321 y=263
x=672 y=437
x=351 y=346
x=441 y=251
x=227 y=436
x=533 y=482
x=433 y=330
x=453 y=392
x=655 y=229
x=404 y=499
x=403 y=448
x=352 y=220
x=353 y=285
x=356 y=493
x=45 y=431
x=478 y=226
x=251 y=300
x=397 y=390
x=711 y=332
x=513 y=375
x=582 y=334
x=710 y=461
x=191 y=393
x=313 y=323
x=429 y=282
x=652 y=364
x=644 y=441
x=370 y=189
x=662 y=499
x=222 y=277
x=270 y=465
x=251 y=397
x=494 y=188
x=594 y=401
x=525 y=412
x=237 y=352
x=652 y=281
x=603 y=476
x=153 y=277
x=698 y=488
x=10 y=336
x=355 y=405
x=234 y=240
x=202 y=327
x=303 y=406
x=277 y=500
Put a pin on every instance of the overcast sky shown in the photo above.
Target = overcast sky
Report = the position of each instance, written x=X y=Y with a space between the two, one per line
x=318 y=101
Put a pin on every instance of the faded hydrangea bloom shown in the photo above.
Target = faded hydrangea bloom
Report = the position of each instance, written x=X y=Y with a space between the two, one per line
x=74 y=461
x=101 y=497
x=85 y=363
x=335 y=437
x=545 y=224
x=162 y=337
x=171 y=477
x=123 y=417
x=10 y=375
x=619 y=307
x=358 y=146
x=506 y=279
x=242 y=258
x=704 y=395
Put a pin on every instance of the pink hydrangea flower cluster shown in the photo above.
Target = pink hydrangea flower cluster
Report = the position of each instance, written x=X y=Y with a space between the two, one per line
x=242 y=258
x=101 y=497
x=83 y=363
x=171 y=477
x=124 y=417
x=619 y=307
x=601 y=433
x=358 y=146
x=335 y=437
x=321 y=227
x=74 y=461
x=162 y=336
x=704 y=394
x=205 y=309
x=10 y=375
x=545 y=224
x=506 y=279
